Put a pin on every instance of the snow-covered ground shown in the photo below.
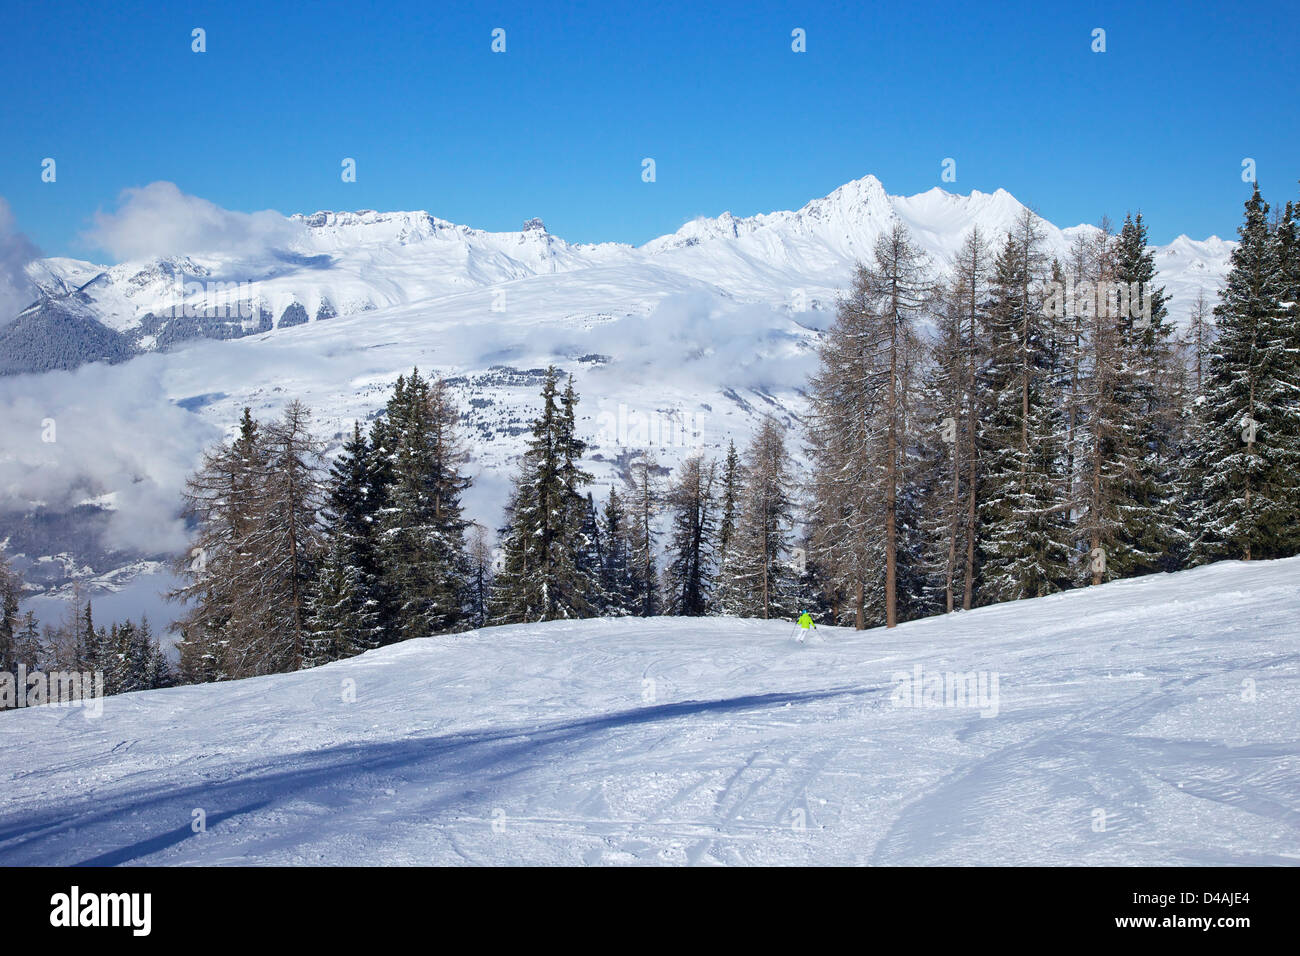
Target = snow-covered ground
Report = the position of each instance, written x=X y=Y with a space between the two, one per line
x=1153 y=721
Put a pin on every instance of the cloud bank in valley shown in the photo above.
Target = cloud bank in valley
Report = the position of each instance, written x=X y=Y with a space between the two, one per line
x=701 y=337
x=114 y=430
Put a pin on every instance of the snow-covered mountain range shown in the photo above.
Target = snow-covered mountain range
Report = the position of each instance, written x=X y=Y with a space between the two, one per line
x=676 y=345
x=343 y=263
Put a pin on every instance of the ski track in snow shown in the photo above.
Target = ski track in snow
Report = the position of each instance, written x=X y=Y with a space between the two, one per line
x=534 y=744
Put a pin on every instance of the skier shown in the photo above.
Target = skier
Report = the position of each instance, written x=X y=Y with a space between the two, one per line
x=805 y=624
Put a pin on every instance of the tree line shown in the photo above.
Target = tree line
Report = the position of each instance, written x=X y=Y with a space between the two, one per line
x=1018 y=427
x=1054 y=432
x=293 y=565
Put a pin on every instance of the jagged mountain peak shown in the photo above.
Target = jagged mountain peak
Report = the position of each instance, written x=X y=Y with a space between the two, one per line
x=865 y=192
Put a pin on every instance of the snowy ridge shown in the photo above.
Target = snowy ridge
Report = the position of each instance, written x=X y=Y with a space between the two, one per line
x=714 y=741
x=350 y=262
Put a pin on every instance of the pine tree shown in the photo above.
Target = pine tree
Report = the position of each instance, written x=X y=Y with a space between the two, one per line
x=128 y=656
x=1023 y=532
x=101 y=648
x=1287 y=243
x=1197 y=341
x=220 y=500
x=616 y=579
x=129 y=659
x=27 y=648
x=284 y=543
x=1107 y=452
x=971 y=277
x=944 y=451
x=1077 y=273
x=160 y=670
x=542 y=577
x=10 y=623
x=691 y=503
x=643 y=503
x=729 y=496
x=342 y=621
x=254 y=502
x=93 y=648
x=1249 y=429
x=760 y=580
x=1151 y=399
x=480 y=581
x=832 y=520
x=811 y=593
x=580 y=526
x=78 y=645
x=425 y=567
x=591 y=556
x=115 y=660
x=143 y=656
x=865 y=506
x=844 y=515
x=345 y=608
x=901 y=287
x=1285 y=352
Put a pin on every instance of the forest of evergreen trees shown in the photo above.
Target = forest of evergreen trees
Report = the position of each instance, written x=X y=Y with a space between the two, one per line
x=126 y=653
x=1020 y=427
x=1043 y=441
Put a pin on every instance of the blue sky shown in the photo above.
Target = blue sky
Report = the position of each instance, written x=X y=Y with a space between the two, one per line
x=558 y=125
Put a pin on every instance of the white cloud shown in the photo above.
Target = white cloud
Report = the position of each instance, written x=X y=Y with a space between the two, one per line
x=16 y=250
x=700 y=337
x=115 y=432
x=160 y=220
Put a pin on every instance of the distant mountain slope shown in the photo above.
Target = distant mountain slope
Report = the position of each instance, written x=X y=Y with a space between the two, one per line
x=1104 y=726
x=55 y=334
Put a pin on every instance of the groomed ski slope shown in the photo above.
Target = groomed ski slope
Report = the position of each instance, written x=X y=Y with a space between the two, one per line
x=710 y=742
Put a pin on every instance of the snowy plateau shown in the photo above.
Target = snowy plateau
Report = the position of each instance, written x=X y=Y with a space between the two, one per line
x=1145 y=721
x=678 y=345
